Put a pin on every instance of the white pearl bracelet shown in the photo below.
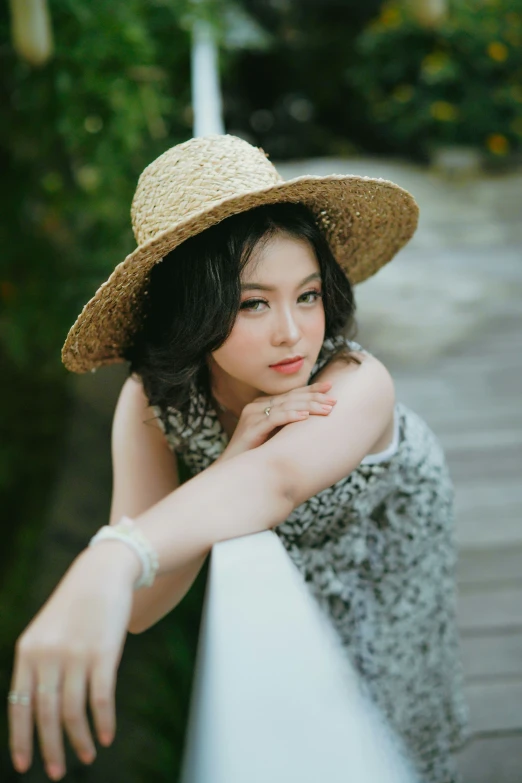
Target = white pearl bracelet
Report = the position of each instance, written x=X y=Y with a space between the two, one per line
x=125 y=530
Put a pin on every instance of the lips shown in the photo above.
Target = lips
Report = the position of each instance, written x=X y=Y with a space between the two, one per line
x=291 y=360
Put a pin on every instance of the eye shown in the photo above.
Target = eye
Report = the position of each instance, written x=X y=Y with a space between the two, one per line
x=314 y=294
x=251 y=304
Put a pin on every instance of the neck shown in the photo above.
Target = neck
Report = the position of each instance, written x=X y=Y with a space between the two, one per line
x=230 y=394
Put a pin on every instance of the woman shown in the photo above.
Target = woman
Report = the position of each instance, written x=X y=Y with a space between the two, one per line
x=239 y=364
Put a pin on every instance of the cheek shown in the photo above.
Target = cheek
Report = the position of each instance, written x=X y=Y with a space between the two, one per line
x=241 y=348
x=316 y=325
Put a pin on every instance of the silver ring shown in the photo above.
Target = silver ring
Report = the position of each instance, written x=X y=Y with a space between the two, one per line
x=267 y=411
x=19 y=698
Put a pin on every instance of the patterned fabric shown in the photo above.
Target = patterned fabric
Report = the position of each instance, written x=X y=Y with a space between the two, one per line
x=377 y=552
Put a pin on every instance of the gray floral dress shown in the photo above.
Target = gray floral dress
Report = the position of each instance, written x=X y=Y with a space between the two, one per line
x=377 y=551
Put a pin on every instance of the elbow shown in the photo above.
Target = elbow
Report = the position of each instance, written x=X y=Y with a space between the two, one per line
x=284 y=481
x=134 y=627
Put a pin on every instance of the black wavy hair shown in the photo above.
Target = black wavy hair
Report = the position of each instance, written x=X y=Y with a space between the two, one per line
x=193 y=297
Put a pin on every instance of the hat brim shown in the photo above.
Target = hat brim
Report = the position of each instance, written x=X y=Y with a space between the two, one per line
x=366 y=222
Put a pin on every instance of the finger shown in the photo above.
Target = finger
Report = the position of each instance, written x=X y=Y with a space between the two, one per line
x=74 y=710
x=307 y=405
x=320 y=386
x=103 y=684
x=20 y=715
x=296 y=399
x=48 y=717
x=279 y=417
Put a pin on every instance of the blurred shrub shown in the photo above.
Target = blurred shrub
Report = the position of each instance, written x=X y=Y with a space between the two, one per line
x=74 y=137
x=292 y=98
x=458 y=83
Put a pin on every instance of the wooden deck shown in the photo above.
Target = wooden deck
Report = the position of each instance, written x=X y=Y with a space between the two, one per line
x=473 y=402
x=446 y=318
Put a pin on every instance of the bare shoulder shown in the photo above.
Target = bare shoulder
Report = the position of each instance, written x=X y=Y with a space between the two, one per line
x=365 y=365
x=375 y=383
x=144 y=467
x=133 y=405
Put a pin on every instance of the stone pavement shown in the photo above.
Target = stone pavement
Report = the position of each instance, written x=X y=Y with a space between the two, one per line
x=446 y=318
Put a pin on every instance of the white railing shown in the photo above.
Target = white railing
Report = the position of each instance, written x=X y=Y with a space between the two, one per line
x=275 y=698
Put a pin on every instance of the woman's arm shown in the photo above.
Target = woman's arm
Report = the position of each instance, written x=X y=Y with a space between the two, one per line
x=144 y=472
x=258 y=489
x=74 y=644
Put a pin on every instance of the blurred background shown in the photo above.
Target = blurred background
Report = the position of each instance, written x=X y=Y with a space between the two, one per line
x=425 y=93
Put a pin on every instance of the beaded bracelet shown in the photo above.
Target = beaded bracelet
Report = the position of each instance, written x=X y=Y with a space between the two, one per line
x=125 y=530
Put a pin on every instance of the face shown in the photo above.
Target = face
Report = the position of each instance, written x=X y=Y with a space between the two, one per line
x=281 y=316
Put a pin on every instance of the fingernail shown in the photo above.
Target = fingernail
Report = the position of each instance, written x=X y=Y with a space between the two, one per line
x=327 y=408
x=20 y=763
x=105 y=738
x=88 y=756
x=303 y=414
x=55 y=771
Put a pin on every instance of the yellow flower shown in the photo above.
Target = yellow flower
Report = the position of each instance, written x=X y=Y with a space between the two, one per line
x=390 y=16
x=516 y=126
x=443 y=111
x=434 y=62
x=87 y=177
x=497 y=144
x=498 y=51
x=403 y=93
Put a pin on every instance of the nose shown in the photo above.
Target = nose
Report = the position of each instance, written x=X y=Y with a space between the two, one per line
x=286 y=330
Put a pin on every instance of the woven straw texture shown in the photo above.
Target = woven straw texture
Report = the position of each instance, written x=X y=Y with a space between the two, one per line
x=197 y=184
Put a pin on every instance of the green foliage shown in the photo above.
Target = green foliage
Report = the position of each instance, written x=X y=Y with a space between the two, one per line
x=74 y=137
x=457 y=83
x=77 y=134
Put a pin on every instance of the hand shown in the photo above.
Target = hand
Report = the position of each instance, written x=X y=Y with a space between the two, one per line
x=72 y=649
x=255 y=427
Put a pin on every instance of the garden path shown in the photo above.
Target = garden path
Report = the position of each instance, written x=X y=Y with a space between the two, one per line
x=446 y=318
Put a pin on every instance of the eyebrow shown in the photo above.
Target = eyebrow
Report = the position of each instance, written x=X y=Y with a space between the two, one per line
x=259 y=287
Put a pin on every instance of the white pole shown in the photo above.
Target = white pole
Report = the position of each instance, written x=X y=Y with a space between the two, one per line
x=206 y=95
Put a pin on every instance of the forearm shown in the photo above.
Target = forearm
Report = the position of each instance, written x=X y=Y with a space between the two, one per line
x=246 y=494
x=151 y=604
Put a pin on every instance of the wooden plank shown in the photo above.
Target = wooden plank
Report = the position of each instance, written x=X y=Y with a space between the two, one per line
x=489 y=528
x=485 y=438
x=492 y=760
x=488 y=610
x=502 y=493
x=487 y=657
x=484 y=464
x=495 y=707
x=490 y=566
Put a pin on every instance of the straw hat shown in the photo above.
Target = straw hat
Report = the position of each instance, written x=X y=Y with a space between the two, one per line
x=195 y=185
